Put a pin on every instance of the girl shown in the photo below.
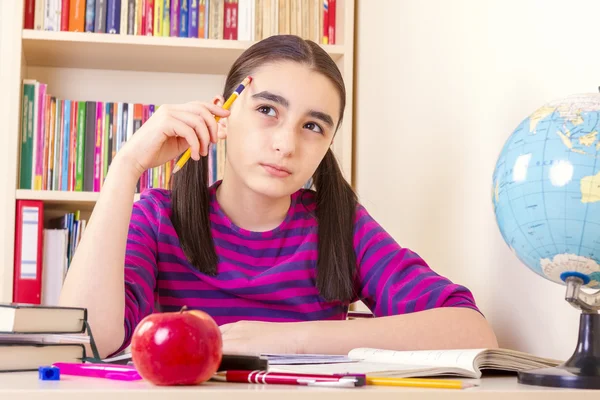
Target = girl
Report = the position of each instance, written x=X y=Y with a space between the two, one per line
x=274 y=264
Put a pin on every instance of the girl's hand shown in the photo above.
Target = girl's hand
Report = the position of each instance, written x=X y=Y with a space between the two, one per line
x=170 y=131
x=253 y=337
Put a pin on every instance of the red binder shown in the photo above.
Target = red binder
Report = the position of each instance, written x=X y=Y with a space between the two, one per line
x=29 y=230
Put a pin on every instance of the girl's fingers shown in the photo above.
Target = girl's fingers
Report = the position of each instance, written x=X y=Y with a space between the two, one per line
x=197 y=123
x=178 y=128
x=197 y=107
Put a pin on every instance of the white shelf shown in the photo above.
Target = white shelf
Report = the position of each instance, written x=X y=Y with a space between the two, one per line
x=136 y=53
x=66 y=199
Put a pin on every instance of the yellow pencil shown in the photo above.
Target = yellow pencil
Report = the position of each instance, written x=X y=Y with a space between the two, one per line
x=188 y=153
x=418 y=382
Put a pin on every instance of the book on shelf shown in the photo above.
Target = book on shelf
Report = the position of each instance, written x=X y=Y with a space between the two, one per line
x=69 y=144
x=35 y=335
x=468 y=363
x=247 y=20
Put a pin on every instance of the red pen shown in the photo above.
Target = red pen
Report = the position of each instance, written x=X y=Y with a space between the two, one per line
x=284 y=378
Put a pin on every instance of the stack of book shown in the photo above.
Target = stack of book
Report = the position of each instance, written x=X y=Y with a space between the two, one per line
x=32 y=336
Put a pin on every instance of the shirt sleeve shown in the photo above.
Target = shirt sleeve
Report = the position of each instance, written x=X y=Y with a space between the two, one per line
x=140 y=265
x=394 y=280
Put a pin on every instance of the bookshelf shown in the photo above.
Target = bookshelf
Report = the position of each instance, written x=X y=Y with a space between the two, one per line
x=118 y=67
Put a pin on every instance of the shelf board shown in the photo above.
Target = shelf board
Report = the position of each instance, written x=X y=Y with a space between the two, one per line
x=62 y=198
x=136 y=53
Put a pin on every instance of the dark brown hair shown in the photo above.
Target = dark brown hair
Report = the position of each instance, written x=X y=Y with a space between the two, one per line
x=335 y=199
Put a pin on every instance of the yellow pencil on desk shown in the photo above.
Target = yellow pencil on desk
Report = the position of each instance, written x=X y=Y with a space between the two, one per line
x=418 y=382
x=188 y=153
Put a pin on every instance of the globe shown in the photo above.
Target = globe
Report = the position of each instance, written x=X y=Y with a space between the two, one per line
x=546 y=190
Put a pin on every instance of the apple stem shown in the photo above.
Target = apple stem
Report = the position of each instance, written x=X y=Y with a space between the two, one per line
x=182 y=309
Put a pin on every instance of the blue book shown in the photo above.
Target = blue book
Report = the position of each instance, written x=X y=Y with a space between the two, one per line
x=90 y=15
x=183 y=18
x=113 y=16
x=193 y=19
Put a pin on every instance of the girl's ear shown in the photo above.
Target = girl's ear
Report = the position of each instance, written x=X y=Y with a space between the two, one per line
x=222 y=124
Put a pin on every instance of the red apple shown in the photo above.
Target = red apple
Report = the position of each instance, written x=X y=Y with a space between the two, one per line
x=177 y=348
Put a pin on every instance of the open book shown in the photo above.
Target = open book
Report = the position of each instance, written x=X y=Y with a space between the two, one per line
x=467 y=363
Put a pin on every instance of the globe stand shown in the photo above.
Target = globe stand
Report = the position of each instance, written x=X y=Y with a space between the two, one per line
x=582 y=369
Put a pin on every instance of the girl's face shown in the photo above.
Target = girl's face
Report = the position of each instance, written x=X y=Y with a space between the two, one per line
x=280 y=128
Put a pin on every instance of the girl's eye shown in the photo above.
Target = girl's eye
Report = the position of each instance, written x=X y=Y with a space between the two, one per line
x=270 y=111
x=313 y=127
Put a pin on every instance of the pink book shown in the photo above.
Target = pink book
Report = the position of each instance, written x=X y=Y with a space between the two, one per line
x=98 y=146
x=40 y=131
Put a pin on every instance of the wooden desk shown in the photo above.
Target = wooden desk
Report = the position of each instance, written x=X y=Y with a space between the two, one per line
x=26 y=385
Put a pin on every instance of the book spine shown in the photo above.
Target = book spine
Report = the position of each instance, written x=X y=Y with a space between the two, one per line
x=28 y=252
x=174 y=25
x=98 y=146
x=202 y=19
x=107 y=137
x=39 y=13
x=140 y=17
x=325 y=38
x=183 y=18
x=47 y=121
x=27 y=135
x=216 y=10
x=52 y=139
x=36 y=132
x=131 y=18
x=65 y=145
x=149 y=24
x=57 y=144
x=331 y=22
x=124 y=17
x=29 y=16
x=77 y=16
x=39 y=140
x=64 y=15
x=90 y=15
x=166 y=18
x=113 y=16
x=73 y=145
x=100 y=15
x=193 y=19
x=90 y=143
x=158 y=17
x=81 y=134
x=230 y=29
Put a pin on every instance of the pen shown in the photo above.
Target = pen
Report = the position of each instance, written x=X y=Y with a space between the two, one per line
x=188 y=153
x=107 y=371
x=264 y=377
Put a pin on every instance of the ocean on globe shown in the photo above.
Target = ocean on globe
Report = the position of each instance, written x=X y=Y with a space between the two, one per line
x=546 y=190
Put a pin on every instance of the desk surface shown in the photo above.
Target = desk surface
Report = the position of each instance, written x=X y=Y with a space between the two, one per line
x=21 y=385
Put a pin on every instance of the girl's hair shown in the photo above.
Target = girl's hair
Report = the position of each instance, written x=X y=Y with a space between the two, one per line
x=335 y=199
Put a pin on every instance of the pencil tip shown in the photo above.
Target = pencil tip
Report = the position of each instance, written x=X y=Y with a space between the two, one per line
x=176 y=169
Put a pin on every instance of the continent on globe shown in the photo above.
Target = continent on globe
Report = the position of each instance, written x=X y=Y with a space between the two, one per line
x=560 y=263
x=590 y=188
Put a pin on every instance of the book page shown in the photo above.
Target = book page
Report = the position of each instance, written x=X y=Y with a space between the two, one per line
x=372 y=368
x=463 y=359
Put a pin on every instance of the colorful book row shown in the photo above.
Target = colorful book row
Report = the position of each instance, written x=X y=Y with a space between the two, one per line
x=69 y=145
x=210 y=19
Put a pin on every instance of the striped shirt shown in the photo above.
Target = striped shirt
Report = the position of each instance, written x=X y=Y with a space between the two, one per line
x=270 y=276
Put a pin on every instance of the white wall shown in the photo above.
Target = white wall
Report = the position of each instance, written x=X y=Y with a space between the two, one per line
x=440 y=87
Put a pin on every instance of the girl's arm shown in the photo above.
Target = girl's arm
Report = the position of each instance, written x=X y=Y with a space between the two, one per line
x=415 y=308
x=439 y=328
x=96 y=274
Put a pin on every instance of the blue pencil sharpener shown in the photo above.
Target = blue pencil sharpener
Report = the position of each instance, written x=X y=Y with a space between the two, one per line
x=49 y=373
